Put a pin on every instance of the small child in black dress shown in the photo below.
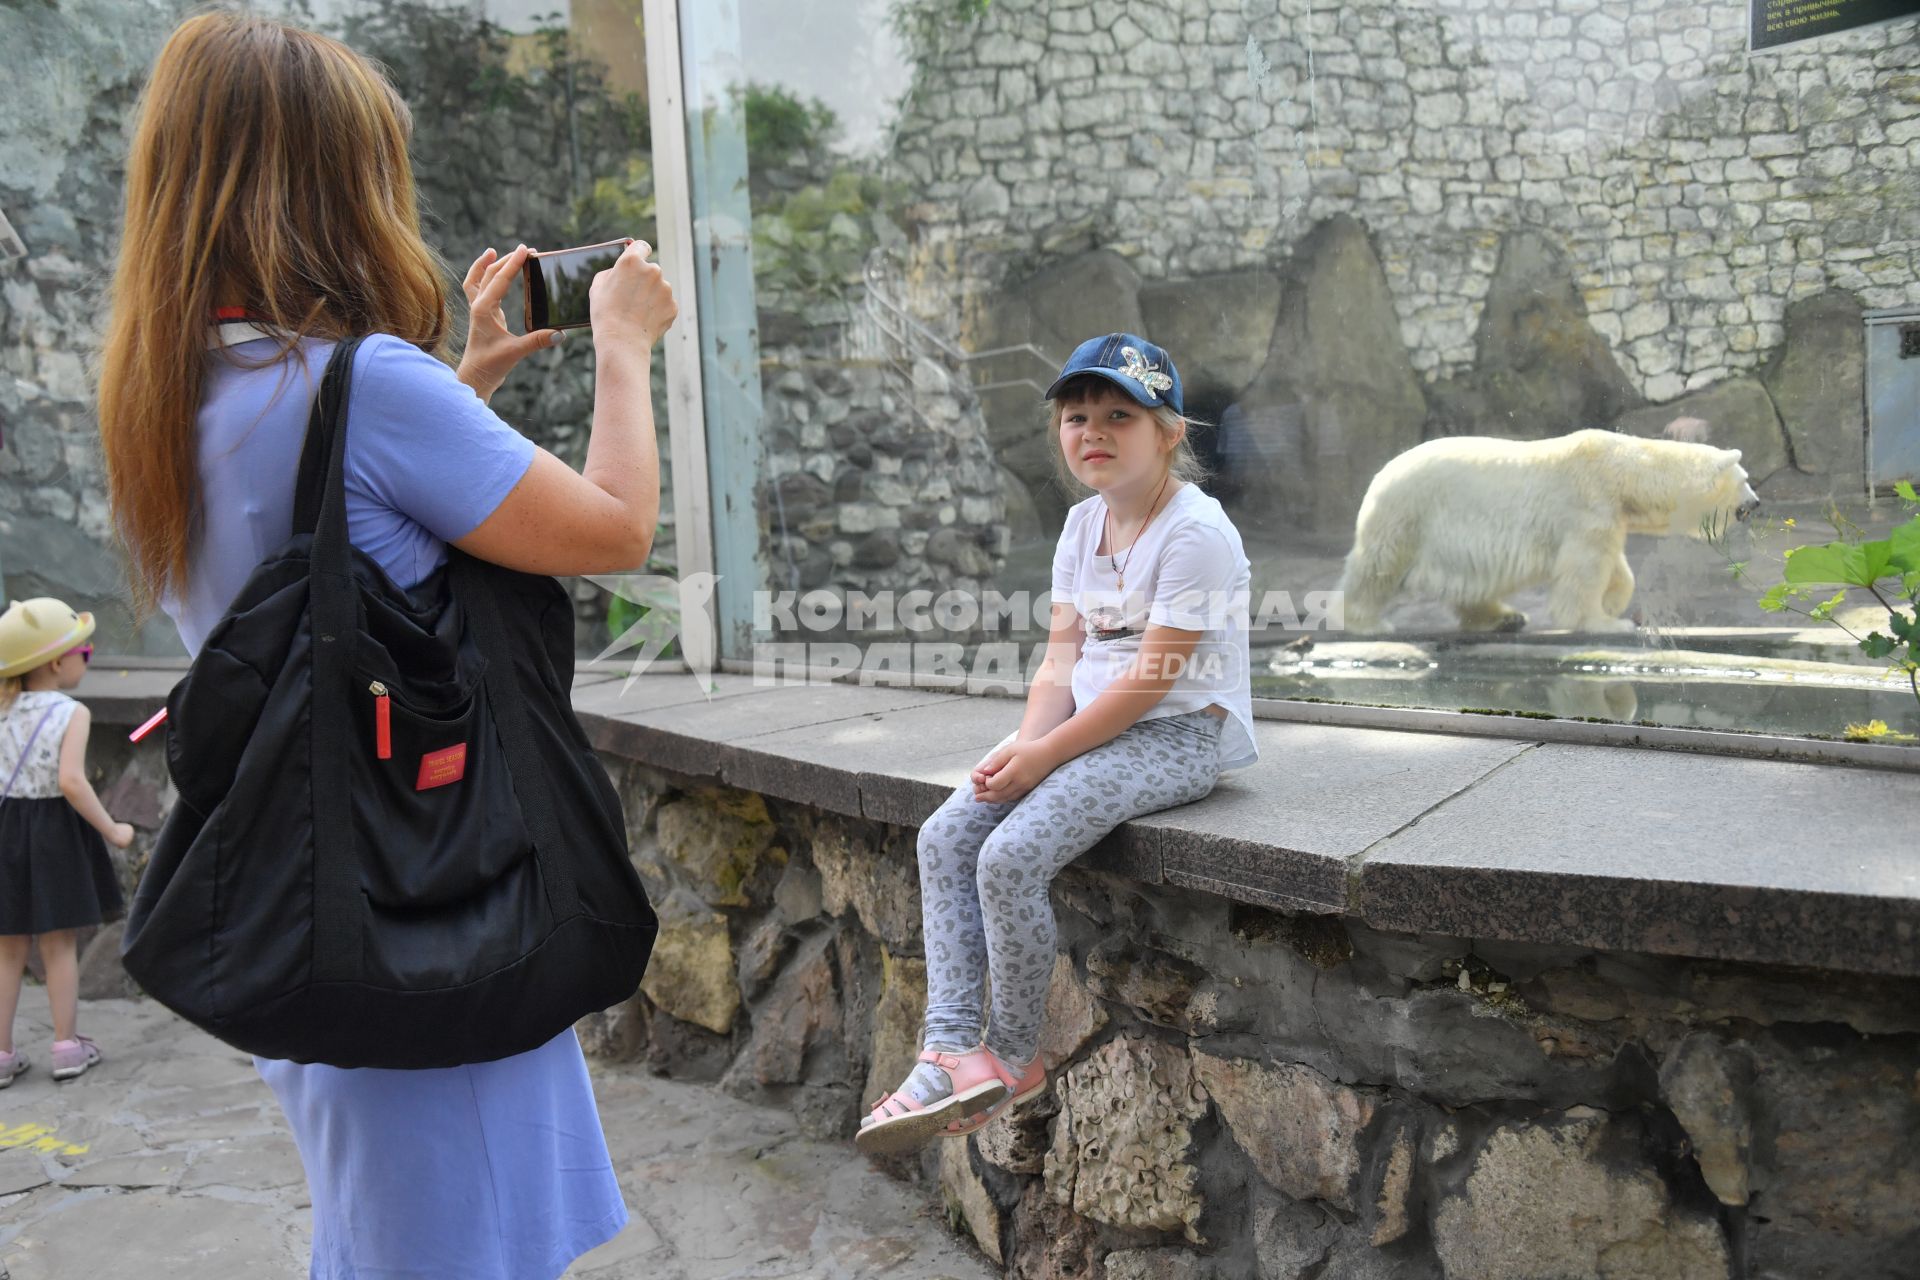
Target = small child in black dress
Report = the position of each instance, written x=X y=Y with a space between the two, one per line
x=55 y=874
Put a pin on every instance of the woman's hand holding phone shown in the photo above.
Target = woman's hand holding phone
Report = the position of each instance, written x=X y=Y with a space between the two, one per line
x=632 y=302
x=493 y=349
x=601 y=519
x=632 y=306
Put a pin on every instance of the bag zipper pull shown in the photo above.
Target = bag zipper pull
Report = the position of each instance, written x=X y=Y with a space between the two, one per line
x=382 y=723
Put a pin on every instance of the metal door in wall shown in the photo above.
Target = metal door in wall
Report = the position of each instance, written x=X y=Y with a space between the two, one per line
x=1893 y=396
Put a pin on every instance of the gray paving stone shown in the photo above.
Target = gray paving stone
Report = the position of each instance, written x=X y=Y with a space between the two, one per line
x=827 y=764
x=146 y=1170
x=716 y=1188
x=202 y=1070
x=1282 y=832
x=21 y=1171
x=639 y=1250
x=86 y=1136
x=215 y=1126
x=906 y=793
x=98 y=1233
x=264 y=1163
x=698 y=737
x=1673 y=854
x=226 y=1095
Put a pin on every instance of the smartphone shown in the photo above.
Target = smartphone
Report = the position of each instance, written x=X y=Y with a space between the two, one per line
x=557 y=284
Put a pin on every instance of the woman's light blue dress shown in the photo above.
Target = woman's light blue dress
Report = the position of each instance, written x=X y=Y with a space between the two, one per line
x=496 y=1171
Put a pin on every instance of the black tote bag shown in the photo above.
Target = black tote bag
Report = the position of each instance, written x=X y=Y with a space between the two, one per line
x=393 y=844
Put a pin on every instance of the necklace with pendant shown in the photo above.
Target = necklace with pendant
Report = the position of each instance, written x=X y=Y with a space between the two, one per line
x=1119 y=568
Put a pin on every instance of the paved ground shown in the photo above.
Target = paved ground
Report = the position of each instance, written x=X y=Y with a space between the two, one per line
x=171 y=1160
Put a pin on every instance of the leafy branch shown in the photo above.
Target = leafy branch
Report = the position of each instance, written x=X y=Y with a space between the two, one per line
x=1888 y=569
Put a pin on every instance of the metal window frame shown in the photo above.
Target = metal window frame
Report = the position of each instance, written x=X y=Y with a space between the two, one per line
x=1871 y=321
x=713 y=362
x=686 y=394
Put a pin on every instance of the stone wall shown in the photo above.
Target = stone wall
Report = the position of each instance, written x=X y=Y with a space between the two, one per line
x=1305 y=389
x=1697 y=190
x=1359 y=227
x=881 y=476
x=486 y=173
x=1241 y=1094
x=62 y=162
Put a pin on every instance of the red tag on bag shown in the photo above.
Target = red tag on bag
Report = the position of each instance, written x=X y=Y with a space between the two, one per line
x=382 y=728
x=438 y=768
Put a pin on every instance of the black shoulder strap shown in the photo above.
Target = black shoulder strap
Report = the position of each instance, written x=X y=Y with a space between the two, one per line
x=333 y=610
x=323 y=455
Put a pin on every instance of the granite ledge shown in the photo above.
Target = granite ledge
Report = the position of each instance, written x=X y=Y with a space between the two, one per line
x=1606 y=847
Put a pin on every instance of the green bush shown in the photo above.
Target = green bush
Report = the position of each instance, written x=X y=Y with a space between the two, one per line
x=781 y=128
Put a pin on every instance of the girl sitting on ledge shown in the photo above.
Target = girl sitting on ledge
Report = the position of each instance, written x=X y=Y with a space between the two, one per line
x=1142 y=700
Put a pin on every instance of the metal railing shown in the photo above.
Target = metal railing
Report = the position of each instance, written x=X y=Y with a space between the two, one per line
x=886 y=331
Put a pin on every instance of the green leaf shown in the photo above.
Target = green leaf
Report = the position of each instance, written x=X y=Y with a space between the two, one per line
x=1818 y=564
x=1905 y=544
x=1823 y=612
x=1876 y=645
x=1859 y=564
x=1775 y=601
x=1905 y=489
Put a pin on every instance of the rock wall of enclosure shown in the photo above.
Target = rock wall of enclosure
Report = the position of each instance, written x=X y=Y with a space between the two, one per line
x=1511 y=221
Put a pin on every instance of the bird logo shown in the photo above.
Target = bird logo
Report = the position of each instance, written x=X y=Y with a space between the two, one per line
x=671 y=609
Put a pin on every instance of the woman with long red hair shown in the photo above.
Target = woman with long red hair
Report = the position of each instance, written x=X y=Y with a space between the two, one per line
x=270 y=214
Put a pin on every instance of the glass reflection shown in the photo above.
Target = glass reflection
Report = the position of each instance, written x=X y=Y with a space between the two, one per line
x=531 y=125
x=1535 y=339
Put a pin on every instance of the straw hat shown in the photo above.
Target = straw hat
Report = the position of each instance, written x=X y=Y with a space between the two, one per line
x=37 y=631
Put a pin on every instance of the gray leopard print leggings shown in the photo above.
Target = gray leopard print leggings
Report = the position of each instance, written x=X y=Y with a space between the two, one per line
x=985 y=870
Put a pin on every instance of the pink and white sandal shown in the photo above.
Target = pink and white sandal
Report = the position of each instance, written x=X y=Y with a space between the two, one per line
x=901 y=1123
x=1031 y=1083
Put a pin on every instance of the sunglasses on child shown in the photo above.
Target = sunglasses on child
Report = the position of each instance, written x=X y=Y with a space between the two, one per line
x=85 y=651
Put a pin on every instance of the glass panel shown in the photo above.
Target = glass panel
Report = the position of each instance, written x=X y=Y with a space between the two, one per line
x=530 y=123
x=1403 y=258
x=62 y=157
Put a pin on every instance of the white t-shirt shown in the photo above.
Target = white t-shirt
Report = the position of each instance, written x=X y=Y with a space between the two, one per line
x=1187 y=570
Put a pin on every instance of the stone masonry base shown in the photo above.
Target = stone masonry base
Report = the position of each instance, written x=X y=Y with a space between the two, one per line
x=1244 y=1093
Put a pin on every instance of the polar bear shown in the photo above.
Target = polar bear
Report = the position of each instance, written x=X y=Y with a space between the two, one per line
x=1472 y=519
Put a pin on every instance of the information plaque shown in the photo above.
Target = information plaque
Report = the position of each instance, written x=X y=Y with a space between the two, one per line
x=1772 y=23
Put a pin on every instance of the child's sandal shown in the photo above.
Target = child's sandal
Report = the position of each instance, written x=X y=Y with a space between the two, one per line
x=899 y=1123
x=1031 y=1083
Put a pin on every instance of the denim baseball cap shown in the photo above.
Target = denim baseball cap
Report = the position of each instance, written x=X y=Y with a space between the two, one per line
x=1127 y=360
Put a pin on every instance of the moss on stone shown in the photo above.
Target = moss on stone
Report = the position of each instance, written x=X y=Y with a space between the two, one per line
x=721 y=839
